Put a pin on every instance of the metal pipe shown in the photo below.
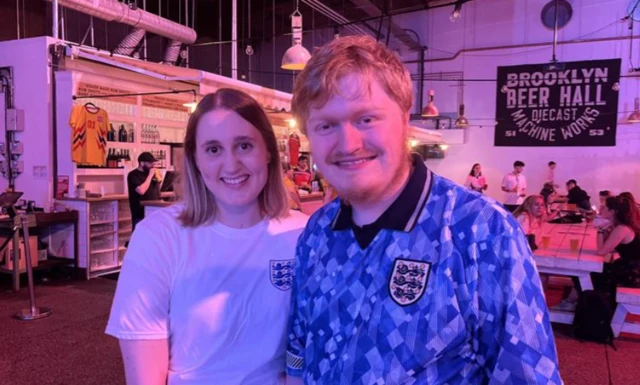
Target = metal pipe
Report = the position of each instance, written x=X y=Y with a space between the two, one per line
x=93 y=37
x=555 y=32
x=54 y=32
x=220 y=37
x=234 y=39
x=144 y=39
x=113 y=10
x=18 y=17
x=529 y=45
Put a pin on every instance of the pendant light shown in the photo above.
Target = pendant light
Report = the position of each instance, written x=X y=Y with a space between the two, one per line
x=297 y=56
x=635 y=115
x=430 y=110
x=461 y=120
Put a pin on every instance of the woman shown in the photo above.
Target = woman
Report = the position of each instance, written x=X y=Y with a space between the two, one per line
x=602 y=197
x=475 y=181
x=204 y=291
x=530 y=214
x=290 y=186
x=623 y=237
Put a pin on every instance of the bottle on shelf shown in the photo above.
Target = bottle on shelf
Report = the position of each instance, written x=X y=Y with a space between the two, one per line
x=111 y=134
x=122 y=134
x=131 y=134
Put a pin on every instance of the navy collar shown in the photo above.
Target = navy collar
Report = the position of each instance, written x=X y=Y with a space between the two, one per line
x=404 y=212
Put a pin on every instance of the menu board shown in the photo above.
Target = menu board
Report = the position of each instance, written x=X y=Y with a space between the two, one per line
x=88 y=89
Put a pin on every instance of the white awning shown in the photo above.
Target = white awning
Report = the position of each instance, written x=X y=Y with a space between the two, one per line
x=425 y=135
x=269 y=99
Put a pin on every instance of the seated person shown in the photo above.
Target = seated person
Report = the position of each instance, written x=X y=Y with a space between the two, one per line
x=550 y=196
x=635 y=206
x=623 y=237
x=530 y=214
x=599 y=221
x=578 y=196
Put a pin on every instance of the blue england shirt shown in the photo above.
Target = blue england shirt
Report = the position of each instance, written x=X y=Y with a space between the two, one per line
x=441 y=289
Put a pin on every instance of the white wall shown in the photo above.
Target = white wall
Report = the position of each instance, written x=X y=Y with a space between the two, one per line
x=484 y=26
x=32 y=93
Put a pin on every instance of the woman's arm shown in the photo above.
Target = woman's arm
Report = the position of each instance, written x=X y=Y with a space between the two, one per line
x=146 y=362
x=607 y=244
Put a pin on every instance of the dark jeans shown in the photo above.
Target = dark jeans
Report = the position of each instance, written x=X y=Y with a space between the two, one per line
x=623 y=273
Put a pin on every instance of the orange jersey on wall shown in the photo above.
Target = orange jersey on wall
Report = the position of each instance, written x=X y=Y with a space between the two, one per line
x=88 y=135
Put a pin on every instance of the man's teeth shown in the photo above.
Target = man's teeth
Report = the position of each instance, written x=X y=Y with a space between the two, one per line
x=354 y=162
x=237 y=180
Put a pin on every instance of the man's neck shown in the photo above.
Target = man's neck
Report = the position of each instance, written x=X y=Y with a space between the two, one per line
x=368 y=212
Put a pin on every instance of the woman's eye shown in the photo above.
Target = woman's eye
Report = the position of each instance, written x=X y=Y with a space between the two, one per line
x=245 y=146
x=213 y=150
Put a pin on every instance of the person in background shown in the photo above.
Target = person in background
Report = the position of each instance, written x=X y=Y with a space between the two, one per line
x=578 y=196
x=302 y=174
x=290 y=186
x=514 y=185
x=475 y=180
x=623 y=237
x=602 y=197
x=530 y=215
x=627 y=195
x=204 y=291
x=143 y=184
x=375 y=276
x=551 y=174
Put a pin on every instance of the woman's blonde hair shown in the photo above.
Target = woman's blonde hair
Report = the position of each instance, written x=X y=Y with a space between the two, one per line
x=344 y=56
x=199 y=202
x=526 y=208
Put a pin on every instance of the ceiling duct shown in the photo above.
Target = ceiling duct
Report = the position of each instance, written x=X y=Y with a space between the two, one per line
x=335 y=16
x=113 y=10
x=130 y=42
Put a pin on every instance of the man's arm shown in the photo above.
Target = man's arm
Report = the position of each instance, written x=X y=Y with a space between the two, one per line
x=146 y=362
x=514 y=337
x=144 y=186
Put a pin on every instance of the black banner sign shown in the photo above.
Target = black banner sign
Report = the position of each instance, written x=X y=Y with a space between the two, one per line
x=576 y=105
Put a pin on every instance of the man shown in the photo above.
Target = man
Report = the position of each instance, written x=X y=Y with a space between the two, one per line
x=302 y=174
x=514 y=184
x=417 y=280
x=551 y=174
x=578 y=196
x=143 y=185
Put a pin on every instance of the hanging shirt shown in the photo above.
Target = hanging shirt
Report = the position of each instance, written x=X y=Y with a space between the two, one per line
x=441 y=289
x=220 y=295
x=88 y=135
x=294 y=149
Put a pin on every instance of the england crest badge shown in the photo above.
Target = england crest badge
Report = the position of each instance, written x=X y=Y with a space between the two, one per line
x=408 y=280
x=281 y=273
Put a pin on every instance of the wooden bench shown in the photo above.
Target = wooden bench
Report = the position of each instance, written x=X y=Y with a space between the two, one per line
x=628 y=303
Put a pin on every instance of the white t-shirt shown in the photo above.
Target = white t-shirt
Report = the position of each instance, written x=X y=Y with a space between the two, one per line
x=511 y=181
x=220 y=295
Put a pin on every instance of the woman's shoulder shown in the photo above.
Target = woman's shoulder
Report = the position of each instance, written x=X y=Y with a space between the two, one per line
x=296 y=220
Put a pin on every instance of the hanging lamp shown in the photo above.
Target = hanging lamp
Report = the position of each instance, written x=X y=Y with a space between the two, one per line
x=461 y=120
x=430 y=110
x=297 y=56
x=635 y=115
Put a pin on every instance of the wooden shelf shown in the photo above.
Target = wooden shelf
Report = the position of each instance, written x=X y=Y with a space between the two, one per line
x=103 y=251
x=101 y=234
x=125 y=231
x=104 y=270
x=47 y=264
x=99 y=171
x=124 y=219
x=101 y=222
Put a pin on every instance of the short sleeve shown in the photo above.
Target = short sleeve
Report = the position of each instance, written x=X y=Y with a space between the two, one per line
x=140 y=309
x=297 y=322
x=514 y=336
x=134 y=180
x=73 y=119
x=523 y=220
x=505 y=181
